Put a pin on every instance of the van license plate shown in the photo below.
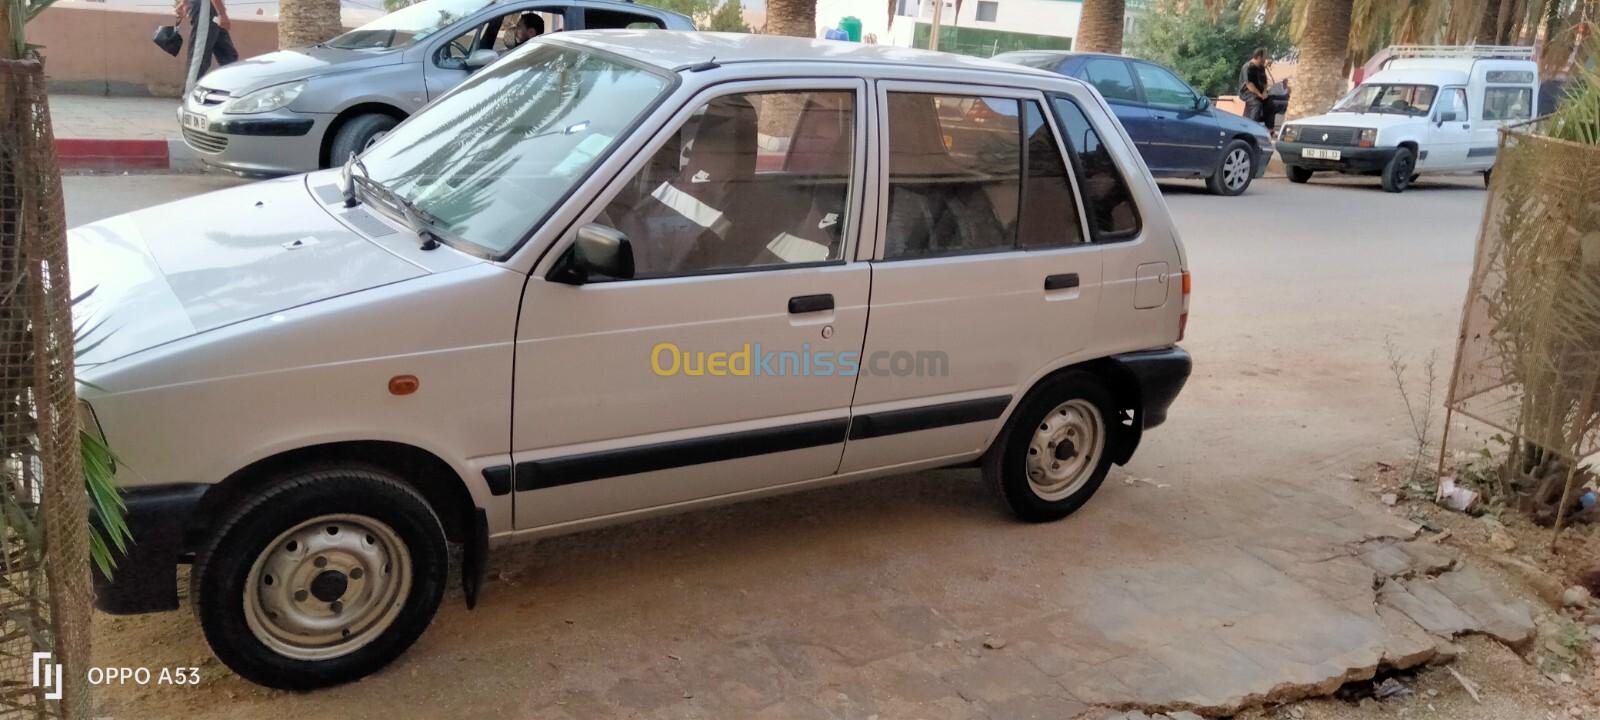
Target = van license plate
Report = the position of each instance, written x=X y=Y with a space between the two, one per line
x=1320 y=154
x=194 y=121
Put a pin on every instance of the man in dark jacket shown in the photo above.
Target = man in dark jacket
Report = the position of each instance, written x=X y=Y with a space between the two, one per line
x=1253 y=89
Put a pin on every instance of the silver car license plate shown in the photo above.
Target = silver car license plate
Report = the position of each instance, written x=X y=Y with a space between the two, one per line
x=1320 y=154
x=194 y=121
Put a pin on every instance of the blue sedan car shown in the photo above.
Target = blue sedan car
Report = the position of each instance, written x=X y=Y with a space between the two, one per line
x=1177 y=131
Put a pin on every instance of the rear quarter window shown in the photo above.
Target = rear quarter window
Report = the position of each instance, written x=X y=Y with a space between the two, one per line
x=1107 y=201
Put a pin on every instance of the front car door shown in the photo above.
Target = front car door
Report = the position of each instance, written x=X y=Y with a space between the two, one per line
x=1114 y=79
x=1189 y=136
x=726 y=364
x=1450 y=132
x=981 y=276
x=445 y=66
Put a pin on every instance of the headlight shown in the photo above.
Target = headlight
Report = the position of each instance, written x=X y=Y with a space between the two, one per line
x=266 y=99
x=1369 y=137
x=1291 y=133
x=88 y=422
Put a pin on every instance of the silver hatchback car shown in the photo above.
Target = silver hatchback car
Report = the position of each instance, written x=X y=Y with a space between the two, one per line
x=308 y=108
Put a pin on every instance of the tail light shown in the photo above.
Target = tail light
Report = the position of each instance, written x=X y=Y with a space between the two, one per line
x=1183 y=320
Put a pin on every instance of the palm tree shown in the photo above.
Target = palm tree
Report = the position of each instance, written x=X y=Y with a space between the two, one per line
x=792 y=17
x=1100 y=26
x=1324 y=46
x=307 y=22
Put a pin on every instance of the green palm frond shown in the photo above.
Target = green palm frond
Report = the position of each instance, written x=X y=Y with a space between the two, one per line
x=109 y=538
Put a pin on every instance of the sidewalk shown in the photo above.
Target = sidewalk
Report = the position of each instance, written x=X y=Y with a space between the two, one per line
x=119 y=133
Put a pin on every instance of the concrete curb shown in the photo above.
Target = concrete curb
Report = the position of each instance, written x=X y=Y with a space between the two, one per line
x=125 y=154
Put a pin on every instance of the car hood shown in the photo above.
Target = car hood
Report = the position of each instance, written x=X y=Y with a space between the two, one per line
x=288 y=65
x=164 y=273
x=1360 y=120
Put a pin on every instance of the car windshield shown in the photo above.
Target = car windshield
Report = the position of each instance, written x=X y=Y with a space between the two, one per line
x=1389 y=98
x=493 y=157
x=407 y=25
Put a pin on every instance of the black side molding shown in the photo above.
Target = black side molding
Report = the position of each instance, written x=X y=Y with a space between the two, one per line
x=894 y=422
x=498 y=478
x=554 y=472
x=1064 y=281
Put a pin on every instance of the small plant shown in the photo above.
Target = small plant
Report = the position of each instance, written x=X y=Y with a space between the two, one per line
x=1420 y=414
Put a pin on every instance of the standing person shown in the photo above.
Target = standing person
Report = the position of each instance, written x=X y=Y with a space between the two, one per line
x=219 y=43
x=1257 y=104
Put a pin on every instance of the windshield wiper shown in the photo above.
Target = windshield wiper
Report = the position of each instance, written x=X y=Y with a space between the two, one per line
x=351 y=165
x=420 y=222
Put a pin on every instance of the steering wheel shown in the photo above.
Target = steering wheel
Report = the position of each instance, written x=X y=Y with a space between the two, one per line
x=457 y=50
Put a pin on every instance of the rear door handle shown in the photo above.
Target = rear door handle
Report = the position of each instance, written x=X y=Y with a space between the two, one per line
x=810 y=303
x=1064 y=281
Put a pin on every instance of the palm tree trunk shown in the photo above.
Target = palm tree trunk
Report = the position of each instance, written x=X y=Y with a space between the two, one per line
x=1324 y=45
x=307 y=22
x=792 y=17
x=1100 y=26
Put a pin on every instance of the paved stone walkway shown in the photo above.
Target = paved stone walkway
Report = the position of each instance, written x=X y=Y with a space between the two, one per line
x=114 y=118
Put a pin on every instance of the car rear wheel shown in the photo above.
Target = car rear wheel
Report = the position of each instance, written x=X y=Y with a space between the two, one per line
x=1298 y=174
x=1234 y=173
x=1057 y=448
x=357 y=134
x=1398 y=173
x=320 y=579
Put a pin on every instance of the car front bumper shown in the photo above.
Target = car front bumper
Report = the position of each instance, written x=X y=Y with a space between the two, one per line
x=280 y=142
x=1161 y=375
x=146 y=577
x=1351 y=159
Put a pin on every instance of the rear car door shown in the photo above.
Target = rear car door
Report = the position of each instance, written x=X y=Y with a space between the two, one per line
x=1186 y=131
x=1114 y=79
x=982 y=273
x=722 y=366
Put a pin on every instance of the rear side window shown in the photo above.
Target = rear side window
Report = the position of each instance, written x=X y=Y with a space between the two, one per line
x=1508 y=103
x=1111 y=78
x=1106 y=199
x=954 y=183
x=1049 y=211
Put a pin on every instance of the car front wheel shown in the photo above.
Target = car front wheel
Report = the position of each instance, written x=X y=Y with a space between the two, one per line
x=1056 y=451
x=357 y=134
x=1298 y=174
x=320 y=579
x=1234 y=173
x=1398 y=173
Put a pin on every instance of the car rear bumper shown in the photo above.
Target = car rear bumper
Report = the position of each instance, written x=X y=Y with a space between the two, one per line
x=1161 y=375
x=146 y=578
x=1351 y=159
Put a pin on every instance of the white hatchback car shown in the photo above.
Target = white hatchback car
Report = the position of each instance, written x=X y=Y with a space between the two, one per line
x=616 y=274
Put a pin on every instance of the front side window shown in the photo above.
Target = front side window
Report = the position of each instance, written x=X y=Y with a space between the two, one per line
x=750 y=180
x=1389 y=98
x=1454 y=100
x=495 y=156
x=1163 y=89
x=1112 y=79
x=1507 y=103
x=954 y=166
x=1106 y=199
x=408 y=24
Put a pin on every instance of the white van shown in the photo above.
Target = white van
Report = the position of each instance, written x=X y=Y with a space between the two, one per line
x=1429 y=109
x=609 y=277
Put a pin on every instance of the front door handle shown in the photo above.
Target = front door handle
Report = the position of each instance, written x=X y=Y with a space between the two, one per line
x=1064 y=281
x=810 y=303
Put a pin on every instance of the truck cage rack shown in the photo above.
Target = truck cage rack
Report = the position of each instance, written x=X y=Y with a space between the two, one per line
x=1476 y=52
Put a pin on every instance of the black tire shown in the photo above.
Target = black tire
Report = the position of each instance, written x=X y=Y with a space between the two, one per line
x=1397 y=174
x=1006 y=463
x=1486 y=176
x=1298 y=174
x=1226 y=180
x=222 y=569
x=356 y=133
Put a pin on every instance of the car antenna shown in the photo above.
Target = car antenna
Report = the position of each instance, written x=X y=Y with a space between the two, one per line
x=707 y=65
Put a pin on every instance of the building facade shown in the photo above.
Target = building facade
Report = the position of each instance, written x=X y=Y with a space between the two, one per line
x=978 y=27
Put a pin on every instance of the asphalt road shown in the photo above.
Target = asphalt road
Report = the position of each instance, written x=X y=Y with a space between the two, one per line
x=844 y=602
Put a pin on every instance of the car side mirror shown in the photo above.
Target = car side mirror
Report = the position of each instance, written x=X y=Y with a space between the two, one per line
x=1448 y=116
x=480 y=58
x=1202 y=102
x=599 y=250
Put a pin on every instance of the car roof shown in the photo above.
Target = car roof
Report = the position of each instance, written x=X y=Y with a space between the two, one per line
x=1418 y=76
x=674 y=50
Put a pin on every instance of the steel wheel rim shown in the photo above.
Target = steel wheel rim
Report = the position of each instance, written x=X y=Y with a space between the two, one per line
x=1236 y=169
x=1065 y=450
x=327 y=586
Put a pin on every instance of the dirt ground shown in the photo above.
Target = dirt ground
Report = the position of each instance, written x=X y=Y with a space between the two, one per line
x=882 y=599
